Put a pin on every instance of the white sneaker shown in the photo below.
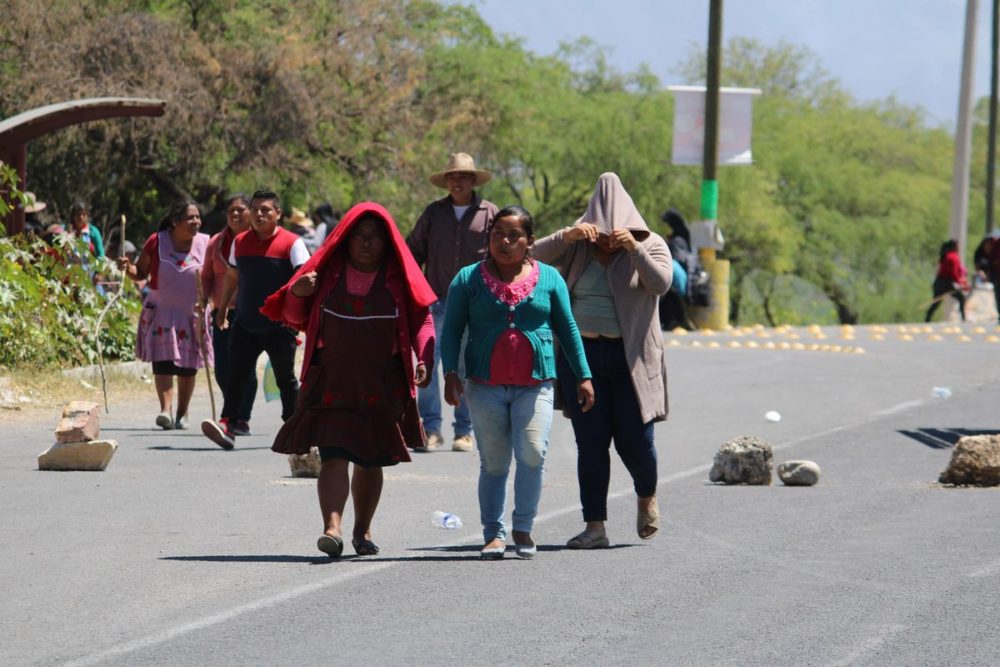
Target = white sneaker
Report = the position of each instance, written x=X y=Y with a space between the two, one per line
x=181 y=423
x=164 y=421
x=462 y=443
x=434 y=440
x=216 y=434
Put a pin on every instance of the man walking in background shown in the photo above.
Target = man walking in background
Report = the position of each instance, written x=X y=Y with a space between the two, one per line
x=450 y=234
x=261 y=261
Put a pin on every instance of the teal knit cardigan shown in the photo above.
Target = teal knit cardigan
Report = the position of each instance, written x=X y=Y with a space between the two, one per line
x=471 y=305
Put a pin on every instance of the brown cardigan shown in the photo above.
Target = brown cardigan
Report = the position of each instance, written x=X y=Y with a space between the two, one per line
x=637 y=280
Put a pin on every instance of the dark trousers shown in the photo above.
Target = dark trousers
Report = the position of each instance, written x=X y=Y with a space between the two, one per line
x=615 y=416
x=245 y=348
x=220 y=344
x=943 y=286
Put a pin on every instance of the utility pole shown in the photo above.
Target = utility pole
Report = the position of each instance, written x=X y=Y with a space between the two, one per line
x=710 y=159
x=991 y=157
x=958 y=223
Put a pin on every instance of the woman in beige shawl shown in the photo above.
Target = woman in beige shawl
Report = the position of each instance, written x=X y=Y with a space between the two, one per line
x=616 y=270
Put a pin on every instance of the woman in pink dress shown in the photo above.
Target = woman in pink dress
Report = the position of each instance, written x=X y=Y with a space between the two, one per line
x=171 y=322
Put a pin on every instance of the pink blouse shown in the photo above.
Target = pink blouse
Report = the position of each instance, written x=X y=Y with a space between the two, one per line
x=512 y=359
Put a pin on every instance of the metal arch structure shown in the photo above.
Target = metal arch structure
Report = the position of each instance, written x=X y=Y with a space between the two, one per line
x=17 y=131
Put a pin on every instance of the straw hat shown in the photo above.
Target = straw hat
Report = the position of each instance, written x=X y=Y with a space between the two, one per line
x=463 y=163
x=299 y=219
x=31 y=203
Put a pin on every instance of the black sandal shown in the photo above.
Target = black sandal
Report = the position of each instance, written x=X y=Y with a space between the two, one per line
x=331 y=545
x=364 y=547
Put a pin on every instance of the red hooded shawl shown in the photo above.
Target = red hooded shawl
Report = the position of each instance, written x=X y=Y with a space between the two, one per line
x=404 y=279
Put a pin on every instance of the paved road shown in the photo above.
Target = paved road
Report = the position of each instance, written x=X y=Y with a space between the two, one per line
x=183 y=554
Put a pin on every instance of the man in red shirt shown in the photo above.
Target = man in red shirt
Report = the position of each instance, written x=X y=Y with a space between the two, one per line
x=261 y=261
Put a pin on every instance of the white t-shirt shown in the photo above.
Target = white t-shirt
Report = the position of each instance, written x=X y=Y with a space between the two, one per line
x=460 y=210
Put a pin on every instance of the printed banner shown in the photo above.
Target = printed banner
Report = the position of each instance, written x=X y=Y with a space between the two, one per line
x=735 y=125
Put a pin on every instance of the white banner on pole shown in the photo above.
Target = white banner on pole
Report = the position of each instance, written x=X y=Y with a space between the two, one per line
x=735 y=124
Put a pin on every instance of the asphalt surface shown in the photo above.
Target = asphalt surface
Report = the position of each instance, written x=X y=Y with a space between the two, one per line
x=183 y=554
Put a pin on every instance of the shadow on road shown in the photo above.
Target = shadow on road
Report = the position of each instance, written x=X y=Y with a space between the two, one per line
x=207 y=448
x=250 y=558
x=944 y=438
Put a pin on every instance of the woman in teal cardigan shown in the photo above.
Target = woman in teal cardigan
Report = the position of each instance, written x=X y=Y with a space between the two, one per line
x=510 y=305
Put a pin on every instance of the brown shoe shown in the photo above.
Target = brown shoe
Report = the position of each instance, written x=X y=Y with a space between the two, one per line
x=462 y=443
x=647 y=524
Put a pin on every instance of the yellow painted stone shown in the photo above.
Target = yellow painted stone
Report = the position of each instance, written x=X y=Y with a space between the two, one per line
x=798 y=346
x=673 y=342
x=964 y=339
x=752 y=344
x=979 y=330
x=935 y=337
x=906 y=337
x=769 y=345
x=734 y=344
x=783 y=345
x=859 y=350
x=878 y=337
x=696 y=343
x=992 y=339
x=713 y=344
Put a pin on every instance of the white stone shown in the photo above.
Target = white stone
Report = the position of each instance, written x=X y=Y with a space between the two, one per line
x=81 y=421
x=975 y=462
x=305 y=465
x=92 y=455
x=744 y=460
x=798 y=473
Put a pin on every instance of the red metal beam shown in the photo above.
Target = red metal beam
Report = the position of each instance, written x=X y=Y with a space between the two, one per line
x=17 y=131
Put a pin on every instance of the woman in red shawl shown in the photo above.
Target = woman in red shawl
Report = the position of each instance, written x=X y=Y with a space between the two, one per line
x=360 y=297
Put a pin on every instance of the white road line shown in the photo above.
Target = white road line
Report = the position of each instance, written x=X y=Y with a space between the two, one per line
x=985 y=571
x=868 y=646
x=902 y=407
x=361 y=570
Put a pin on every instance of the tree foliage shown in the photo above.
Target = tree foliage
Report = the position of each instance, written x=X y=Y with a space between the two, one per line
x=839 y=218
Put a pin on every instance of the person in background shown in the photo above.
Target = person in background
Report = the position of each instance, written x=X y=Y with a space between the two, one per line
x=168 y=333
x=987 y=262
x=365 y=308
x=261 y=261
x=673 y=304
x=616 y=270
x=450 y=234
x=951 y=278
x=213 y=278
x=80 y=227
x=326 y=219
x=510 y=305
x=33 y=224
x=302 y=226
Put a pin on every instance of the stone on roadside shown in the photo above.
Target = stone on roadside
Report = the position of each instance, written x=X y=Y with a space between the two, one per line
x=81 y=421
x=92 y=455
x=975 y=462
x=743 y=460
x=798 y=473
x=305 y=465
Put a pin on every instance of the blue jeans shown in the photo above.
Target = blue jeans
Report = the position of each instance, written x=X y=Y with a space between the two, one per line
x=429 y=399
x=510 y=419
x=615 y=415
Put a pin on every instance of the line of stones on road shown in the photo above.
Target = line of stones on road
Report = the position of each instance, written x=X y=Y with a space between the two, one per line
x=811 y=338
x=749 y=460
x=77 y=446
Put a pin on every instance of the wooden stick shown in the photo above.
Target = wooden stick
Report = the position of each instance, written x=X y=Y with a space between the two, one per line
x=201 y=333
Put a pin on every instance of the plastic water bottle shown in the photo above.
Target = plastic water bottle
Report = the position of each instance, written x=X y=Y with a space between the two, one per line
x=444 y=520
x=941 y=392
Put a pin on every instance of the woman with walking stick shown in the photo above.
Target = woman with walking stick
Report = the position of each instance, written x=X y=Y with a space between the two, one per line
x=168 y=336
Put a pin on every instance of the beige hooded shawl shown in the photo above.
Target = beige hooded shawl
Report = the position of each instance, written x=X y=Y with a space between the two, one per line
x=637 y=280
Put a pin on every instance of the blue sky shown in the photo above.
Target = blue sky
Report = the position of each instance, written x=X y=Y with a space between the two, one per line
x=911 y=49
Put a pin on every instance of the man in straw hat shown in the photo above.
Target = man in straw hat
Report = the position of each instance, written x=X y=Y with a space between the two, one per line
x=450 y=234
